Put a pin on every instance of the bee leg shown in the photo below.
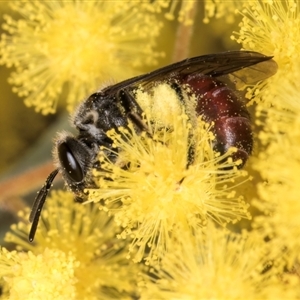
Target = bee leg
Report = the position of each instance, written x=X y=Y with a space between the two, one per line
x=133 y=110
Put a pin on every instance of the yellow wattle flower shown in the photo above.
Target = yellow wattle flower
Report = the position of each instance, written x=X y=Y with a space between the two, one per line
x=48 y=275
x=75 y=236
x=168 y=180
x=219 y=265
x=67 y=49
x=273 y=27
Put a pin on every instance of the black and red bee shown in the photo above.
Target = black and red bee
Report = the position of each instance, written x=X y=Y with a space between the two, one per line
x=115 y=105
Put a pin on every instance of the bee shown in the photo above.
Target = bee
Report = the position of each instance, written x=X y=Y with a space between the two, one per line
x=208 y=77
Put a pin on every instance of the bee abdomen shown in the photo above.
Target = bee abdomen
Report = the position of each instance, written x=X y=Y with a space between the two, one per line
x=234 y=132
x=219 y=105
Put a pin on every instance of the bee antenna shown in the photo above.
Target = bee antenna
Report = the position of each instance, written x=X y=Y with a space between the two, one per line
x=39 y=203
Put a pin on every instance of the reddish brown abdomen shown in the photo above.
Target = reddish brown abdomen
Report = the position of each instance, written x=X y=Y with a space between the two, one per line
x=219 y=104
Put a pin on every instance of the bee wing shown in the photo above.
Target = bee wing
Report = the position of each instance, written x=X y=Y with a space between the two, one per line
x=253 y=74
x=244 y=67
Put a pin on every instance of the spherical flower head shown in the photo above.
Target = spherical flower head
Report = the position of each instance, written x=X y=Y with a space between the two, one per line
x=279 y=196
x=217 y=264
x=268 y=26
x=166 y=180
x=48 y=275
x=68 y=48
x=273 y=28
x=87 y=235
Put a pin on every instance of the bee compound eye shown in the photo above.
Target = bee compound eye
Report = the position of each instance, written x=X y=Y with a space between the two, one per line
x=69 y=163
